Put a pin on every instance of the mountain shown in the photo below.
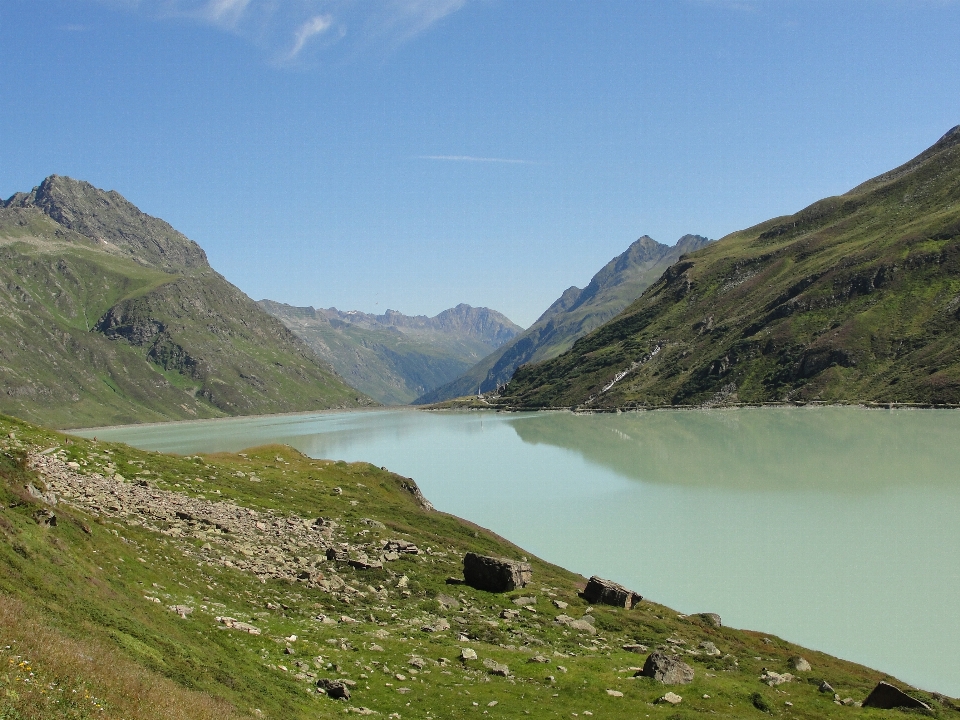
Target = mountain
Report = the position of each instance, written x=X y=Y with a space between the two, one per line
x=393 y=357
x=574 y=314
x=268 y=584
x=110 y=316
x=855 y=298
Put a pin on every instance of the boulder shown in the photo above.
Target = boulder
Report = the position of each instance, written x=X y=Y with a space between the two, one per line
x=608 y=592
x=495 y=668
x=666 y=669
x=45 y=518
x=635 y=648
x=711 y=619
x=799 y=664
x=885 y=696
x=495 y=574
x=337 y=689
x=671 y=698
x=468 y=654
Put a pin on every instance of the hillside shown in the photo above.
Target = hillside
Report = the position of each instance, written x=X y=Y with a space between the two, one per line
x=264 y=584
x=575 y=313
x=855 y=298
x=110 y=316
x=393 y=357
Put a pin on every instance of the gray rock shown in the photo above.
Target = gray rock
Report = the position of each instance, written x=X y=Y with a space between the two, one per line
x=799 y=664
x=448 y=602
x=709 y=648
x=496 y=668
x=495 y=574
x=825 y=687
x=45 y=518
x=468 y=654
x=525 y=601
x=666 y=669
x=886 y=696
x=635 y=648
x=337 y=689
x=608 y=592
x=711 y=619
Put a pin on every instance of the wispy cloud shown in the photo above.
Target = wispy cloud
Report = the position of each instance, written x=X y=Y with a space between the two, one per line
x=314 y=26
x=283 y=29
x=471 y=158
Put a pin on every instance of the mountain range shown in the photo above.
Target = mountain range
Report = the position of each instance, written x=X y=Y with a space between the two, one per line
x=855 y=298
x=394 y=358
x=109 y=316
x=575 y=313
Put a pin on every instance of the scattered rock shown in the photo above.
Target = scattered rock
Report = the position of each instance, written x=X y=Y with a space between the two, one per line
x=825 y=687
x=539 y=659
x=886 y=696
x=711 y=619
x=709 y=649
x=509 y=614
x=417 y=662
x=448 y=602
x=635 y=648
x=581 y=625
x=181 y=610
x=365 y=564
x=401 y=547
x=337 y=689
x=524 y=601
x=560 y=604
x=671 y=698
x=45 y=518
x=468 y=654
x=495 y=574
x=773 y=679
x=608 y=592
x=235 y=624
x=439 y=626
x=799 y=664
x=614 y=693
x=496 y=668
x=666 y=669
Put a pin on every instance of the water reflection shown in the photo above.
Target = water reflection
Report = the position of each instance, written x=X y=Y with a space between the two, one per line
x=839 y=450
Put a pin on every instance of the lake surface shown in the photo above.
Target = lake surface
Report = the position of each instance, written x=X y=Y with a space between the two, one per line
x=837 y=528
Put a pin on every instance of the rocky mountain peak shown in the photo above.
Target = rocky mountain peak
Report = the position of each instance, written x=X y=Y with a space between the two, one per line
x=108 y=217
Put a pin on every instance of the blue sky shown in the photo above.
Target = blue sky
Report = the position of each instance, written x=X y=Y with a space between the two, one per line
x=414 y=154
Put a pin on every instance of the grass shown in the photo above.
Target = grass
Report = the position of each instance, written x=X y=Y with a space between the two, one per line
x=854 y=299
x=74 y=605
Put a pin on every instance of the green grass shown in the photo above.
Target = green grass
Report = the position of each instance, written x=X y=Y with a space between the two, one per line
x=217 y=355
x=854 y=299
x=82 y=584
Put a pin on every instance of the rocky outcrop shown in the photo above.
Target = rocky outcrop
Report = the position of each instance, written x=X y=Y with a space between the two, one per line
x=495 y=574
x=607 y=592
x=885 y=696
x=666 y=669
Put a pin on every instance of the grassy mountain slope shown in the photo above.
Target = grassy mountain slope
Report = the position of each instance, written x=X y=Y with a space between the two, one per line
x=573 y=315
x=395 y=358
x=855 y=298
x=131 y=324
x=118 y=609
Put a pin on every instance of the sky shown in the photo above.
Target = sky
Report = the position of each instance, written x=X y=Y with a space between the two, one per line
x=417 y=154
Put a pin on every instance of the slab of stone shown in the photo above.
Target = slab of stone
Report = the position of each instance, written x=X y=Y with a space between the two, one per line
x=495 y=574
x=666 y=669
x=885 y=696
x=607 y=592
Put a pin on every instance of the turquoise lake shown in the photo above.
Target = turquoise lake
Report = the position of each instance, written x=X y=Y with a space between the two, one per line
x=836 y=528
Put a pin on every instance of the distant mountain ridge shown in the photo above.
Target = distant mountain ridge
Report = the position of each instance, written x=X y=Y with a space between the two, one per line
x=393 y=357
x=855 y=298
x=110 y=316
x=575 y=313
